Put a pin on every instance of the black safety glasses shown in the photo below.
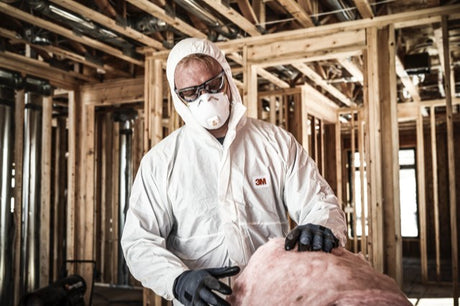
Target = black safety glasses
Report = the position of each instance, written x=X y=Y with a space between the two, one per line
x=213 y=85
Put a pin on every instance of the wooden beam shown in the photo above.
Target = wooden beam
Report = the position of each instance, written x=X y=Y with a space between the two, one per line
x=156 y=117
x=352 y=68
x=72 y=164
x=248 y=12
x=44 y=65
x=364 y=8
x=450 y=91
x=297 y=12
x=87 y=232
x=361 y=128
x=421 y=196
x=234 y=17
x=399 y=20
x=406 y=80
x=315 y=56
x=318 y=80
x=45 y=191
x=434 y=165
x=250 y=86
x=277 y=49
x=390 y=153
x=338 y=159
x=53 y=27
x=271 y=78
x=84 y=11
x=260 y=71
x=63 y=53
x=114 y=92
x=353 y=181
x=282 y=91
x=18 y=179
x=160 y=13
x=37 y=68
x=318 y=105
x=373 y=149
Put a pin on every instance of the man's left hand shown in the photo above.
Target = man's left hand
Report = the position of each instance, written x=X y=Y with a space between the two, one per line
x=311 y=237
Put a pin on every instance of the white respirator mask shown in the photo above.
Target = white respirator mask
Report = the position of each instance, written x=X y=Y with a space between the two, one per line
x=211 y=110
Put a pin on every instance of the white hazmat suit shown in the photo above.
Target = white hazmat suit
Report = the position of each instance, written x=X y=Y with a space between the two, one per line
x=196 y=203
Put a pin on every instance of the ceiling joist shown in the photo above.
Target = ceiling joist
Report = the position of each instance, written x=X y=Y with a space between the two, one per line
x=318 y=80
x=50 y=26
x=234 y=17
x=57 y=77
x=64 y=54
x=297 y=12
x=160 y=13
x=106 y=21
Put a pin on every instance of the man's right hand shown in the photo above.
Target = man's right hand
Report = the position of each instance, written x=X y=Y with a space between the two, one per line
x=195 y=287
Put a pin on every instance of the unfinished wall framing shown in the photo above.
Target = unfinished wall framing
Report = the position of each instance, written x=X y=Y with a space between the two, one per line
x=80 y=194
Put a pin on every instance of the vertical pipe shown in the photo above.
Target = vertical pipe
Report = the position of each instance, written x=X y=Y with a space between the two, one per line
x=6 y=222
x=125 y=181
x=31 y=193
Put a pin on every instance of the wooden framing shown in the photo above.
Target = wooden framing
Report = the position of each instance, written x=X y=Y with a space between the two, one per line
x=19 y=14
x=160 y=13
x=374 y=42
x=316 y=78
x=390 y=149
x=234 y=16
x=448 y=77
x=18 y=161
x=45 y=192
x=64 y=53
x=33 y=67
x=373 y=148
x=102 y=19
x=361 y=128
x=352 y=182
x=434 y=164
x=421 y=196
x=297 y=11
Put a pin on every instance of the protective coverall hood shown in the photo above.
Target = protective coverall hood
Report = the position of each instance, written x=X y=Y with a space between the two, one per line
x=192 y=46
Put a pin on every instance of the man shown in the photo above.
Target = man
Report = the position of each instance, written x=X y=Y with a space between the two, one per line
x=208 y=195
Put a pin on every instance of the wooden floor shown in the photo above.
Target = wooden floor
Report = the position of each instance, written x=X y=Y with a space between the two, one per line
x=431 y=294
x=116 y=296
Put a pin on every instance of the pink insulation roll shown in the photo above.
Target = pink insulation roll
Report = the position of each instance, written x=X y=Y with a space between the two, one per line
x=274 y=276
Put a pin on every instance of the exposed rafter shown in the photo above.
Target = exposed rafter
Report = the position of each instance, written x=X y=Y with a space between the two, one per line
x=247 y=11
x=352 y=68
x=102 y=19
x=234 y=17
x=64 y=53
x=318 y=80
x=50 y=26
x=160 y=13
x=57 y=77
x=364 y=8
x=297 y=11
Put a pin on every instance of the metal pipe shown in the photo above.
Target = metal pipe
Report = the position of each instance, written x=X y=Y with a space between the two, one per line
x=6 y=192
x=31 y=193
x=125 y=118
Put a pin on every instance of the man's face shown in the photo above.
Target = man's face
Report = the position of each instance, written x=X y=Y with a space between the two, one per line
x=195 y=73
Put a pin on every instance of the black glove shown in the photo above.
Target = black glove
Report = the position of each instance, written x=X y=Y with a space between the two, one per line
x=311 y=237
x=194 y=287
